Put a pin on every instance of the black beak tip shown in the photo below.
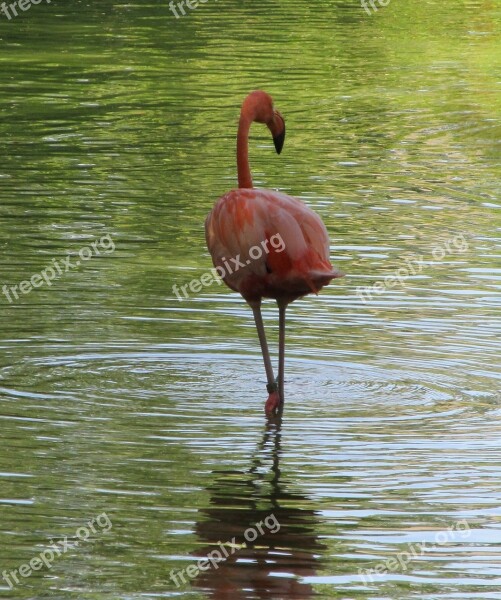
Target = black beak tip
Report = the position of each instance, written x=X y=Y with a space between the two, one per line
x=279 y=141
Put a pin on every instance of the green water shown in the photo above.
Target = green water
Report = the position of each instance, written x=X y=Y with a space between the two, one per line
x=117 y=135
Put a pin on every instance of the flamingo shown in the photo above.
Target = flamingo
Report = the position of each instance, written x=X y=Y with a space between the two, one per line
x=278 y=247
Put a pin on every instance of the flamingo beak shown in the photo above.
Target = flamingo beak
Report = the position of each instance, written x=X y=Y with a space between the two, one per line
x=277 y=128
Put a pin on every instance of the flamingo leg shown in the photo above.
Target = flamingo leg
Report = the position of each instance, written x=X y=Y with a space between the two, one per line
x=273 y=403
x=256 y=309
x=281 y=350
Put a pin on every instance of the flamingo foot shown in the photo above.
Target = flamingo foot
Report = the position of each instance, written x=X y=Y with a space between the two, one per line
x=272 y=405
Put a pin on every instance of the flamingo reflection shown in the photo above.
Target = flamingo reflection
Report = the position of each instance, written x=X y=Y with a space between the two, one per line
x=285 y=548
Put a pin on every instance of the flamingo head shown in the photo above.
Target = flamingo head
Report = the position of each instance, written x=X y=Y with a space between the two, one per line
x=258 y=106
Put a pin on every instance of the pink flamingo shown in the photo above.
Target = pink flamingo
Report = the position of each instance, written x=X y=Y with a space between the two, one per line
x=278 y=246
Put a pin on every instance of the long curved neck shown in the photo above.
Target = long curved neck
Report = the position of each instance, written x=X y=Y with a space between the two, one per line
x=244 y=174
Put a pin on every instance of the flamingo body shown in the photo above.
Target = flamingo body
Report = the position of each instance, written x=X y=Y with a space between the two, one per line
x=289 y=243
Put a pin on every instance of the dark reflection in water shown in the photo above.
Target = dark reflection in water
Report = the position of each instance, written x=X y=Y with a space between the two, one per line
x=273 y=564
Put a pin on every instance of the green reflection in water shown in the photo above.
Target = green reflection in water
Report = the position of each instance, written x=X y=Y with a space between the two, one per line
x=120 y=119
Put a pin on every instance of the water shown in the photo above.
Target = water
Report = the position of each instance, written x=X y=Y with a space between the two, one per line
x=139 y=418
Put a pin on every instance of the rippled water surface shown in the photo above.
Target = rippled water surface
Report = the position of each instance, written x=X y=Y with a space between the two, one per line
x=133 y=438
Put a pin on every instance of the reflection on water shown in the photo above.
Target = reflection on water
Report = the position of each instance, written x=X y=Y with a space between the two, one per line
x=119 y=119
x=271 y=566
